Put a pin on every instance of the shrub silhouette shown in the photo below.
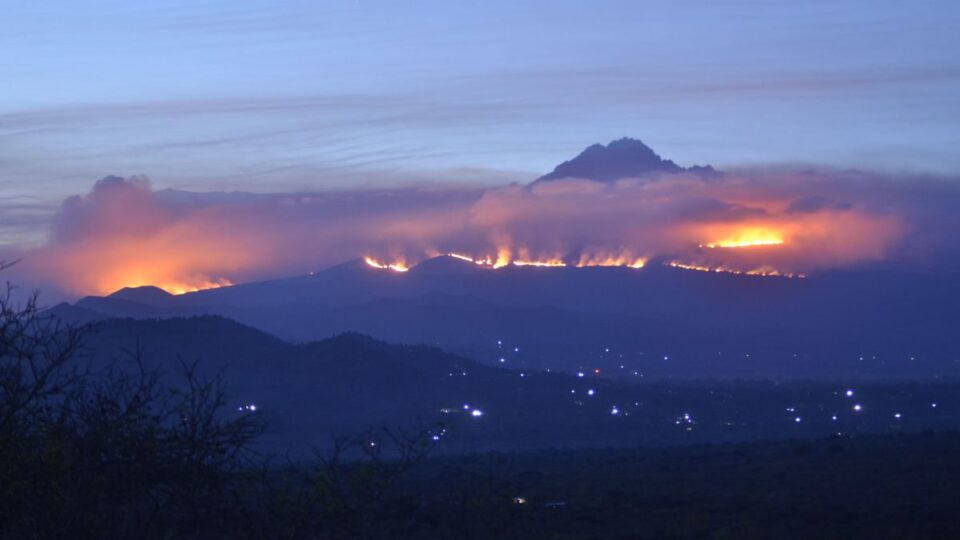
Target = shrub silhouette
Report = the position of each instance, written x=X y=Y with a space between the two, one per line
x=118 y=453
x=109 y=453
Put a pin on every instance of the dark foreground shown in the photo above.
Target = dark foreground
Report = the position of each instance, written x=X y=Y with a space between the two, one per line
x=882 y=486
x=110 y=450
x=898 y=486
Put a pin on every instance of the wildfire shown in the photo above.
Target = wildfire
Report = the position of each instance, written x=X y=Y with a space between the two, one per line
x=462 y=257
x=611 y=260
x=114 y=283
x=548 y=264
x=160 y=274
x=183 y=288
x=623 y=259
x=767 y=271
x=504 y=257
x=748 y=238
x=396 y=267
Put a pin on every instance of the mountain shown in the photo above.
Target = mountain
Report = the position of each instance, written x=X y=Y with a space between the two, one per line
x=622 y=158
x=348 y=383
x=839 y=324
x=149 y=295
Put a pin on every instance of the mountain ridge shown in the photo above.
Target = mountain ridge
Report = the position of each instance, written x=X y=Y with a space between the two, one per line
x=621 y=158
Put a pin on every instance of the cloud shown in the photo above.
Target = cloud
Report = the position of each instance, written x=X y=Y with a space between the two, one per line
x=123 y=233
x=816 y=203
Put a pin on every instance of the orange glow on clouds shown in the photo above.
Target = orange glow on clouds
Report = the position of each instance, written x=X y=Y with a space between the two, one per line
x=123 y=234
x=127 y=263
x=749 y=237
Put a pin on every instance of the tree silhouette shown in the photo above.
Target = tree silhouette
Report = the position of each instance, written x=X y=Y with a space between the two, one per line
x=109 y=453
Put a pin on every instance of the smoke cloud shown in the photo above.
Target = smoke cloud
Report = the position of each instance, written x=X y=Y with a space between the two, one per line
x=124 y=233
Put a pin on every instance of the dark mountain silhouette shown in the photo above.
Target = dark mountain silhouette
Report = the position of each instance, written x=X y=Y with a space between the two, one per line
x=849 y=324
x=347 y=383
x=148 y=295
x=622 y=158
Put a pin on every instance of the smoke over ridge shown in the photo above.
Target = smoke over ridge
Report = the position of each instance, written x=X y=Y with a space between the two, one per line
x=777 y=220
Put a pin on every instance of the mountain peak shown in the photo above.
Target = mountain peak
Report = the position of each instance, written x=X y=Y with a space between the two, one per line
x=621 y=158
x=148 y=295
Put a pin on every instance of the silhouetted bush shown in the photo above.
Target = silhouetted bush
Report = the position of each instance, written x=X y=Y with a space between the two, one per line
x=113 y=453
x=123 y=452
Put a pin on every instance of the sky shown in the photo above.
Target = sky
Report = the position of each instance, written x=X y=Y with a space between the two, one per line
x=319 y=96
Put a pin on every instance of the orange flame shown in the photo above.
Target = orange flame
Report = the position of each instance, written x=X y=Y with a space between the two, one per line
x=622 y=259
x=760 y=271
x=504 y=257
x=112 y=266
x=750 y=237
x=399 y=266
x=110 y=285
x=461 y=257
x=183 y=288
x=550 y=263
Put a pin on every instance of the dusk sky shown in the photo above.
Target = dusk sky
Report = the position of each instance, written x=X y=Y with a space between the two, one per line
x=279 y=97
x=267 y=95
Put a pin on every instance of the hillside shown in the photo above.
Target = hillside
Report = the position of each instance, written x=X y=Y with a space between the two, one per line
x=841 y=324
x=348 y=383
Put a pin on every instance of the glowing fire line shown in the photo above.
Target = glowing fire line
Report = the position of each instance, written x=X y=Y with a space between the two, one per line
x=396 y=267
x=744 y=243
x=765 y=271
x=749 y=237
x=620 y=260
x=461 y=257
x=547 y=264
x=503 y=258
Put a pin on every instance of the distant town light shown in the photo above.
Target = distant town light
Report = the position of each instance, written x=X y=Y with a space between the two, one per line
x=476 y=413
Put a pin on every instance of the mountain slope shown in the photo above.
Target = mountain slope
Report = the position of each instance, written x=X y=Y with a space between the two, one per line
x=564 y=318
x=348 y=383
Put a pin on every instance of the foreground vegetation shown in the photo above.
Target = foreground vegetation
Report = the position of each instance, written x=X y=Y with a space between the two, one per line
x=95 y=453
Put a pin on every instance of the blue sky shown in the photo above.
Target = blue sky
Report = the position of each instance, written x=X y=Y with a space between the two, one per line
x=312 y=95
